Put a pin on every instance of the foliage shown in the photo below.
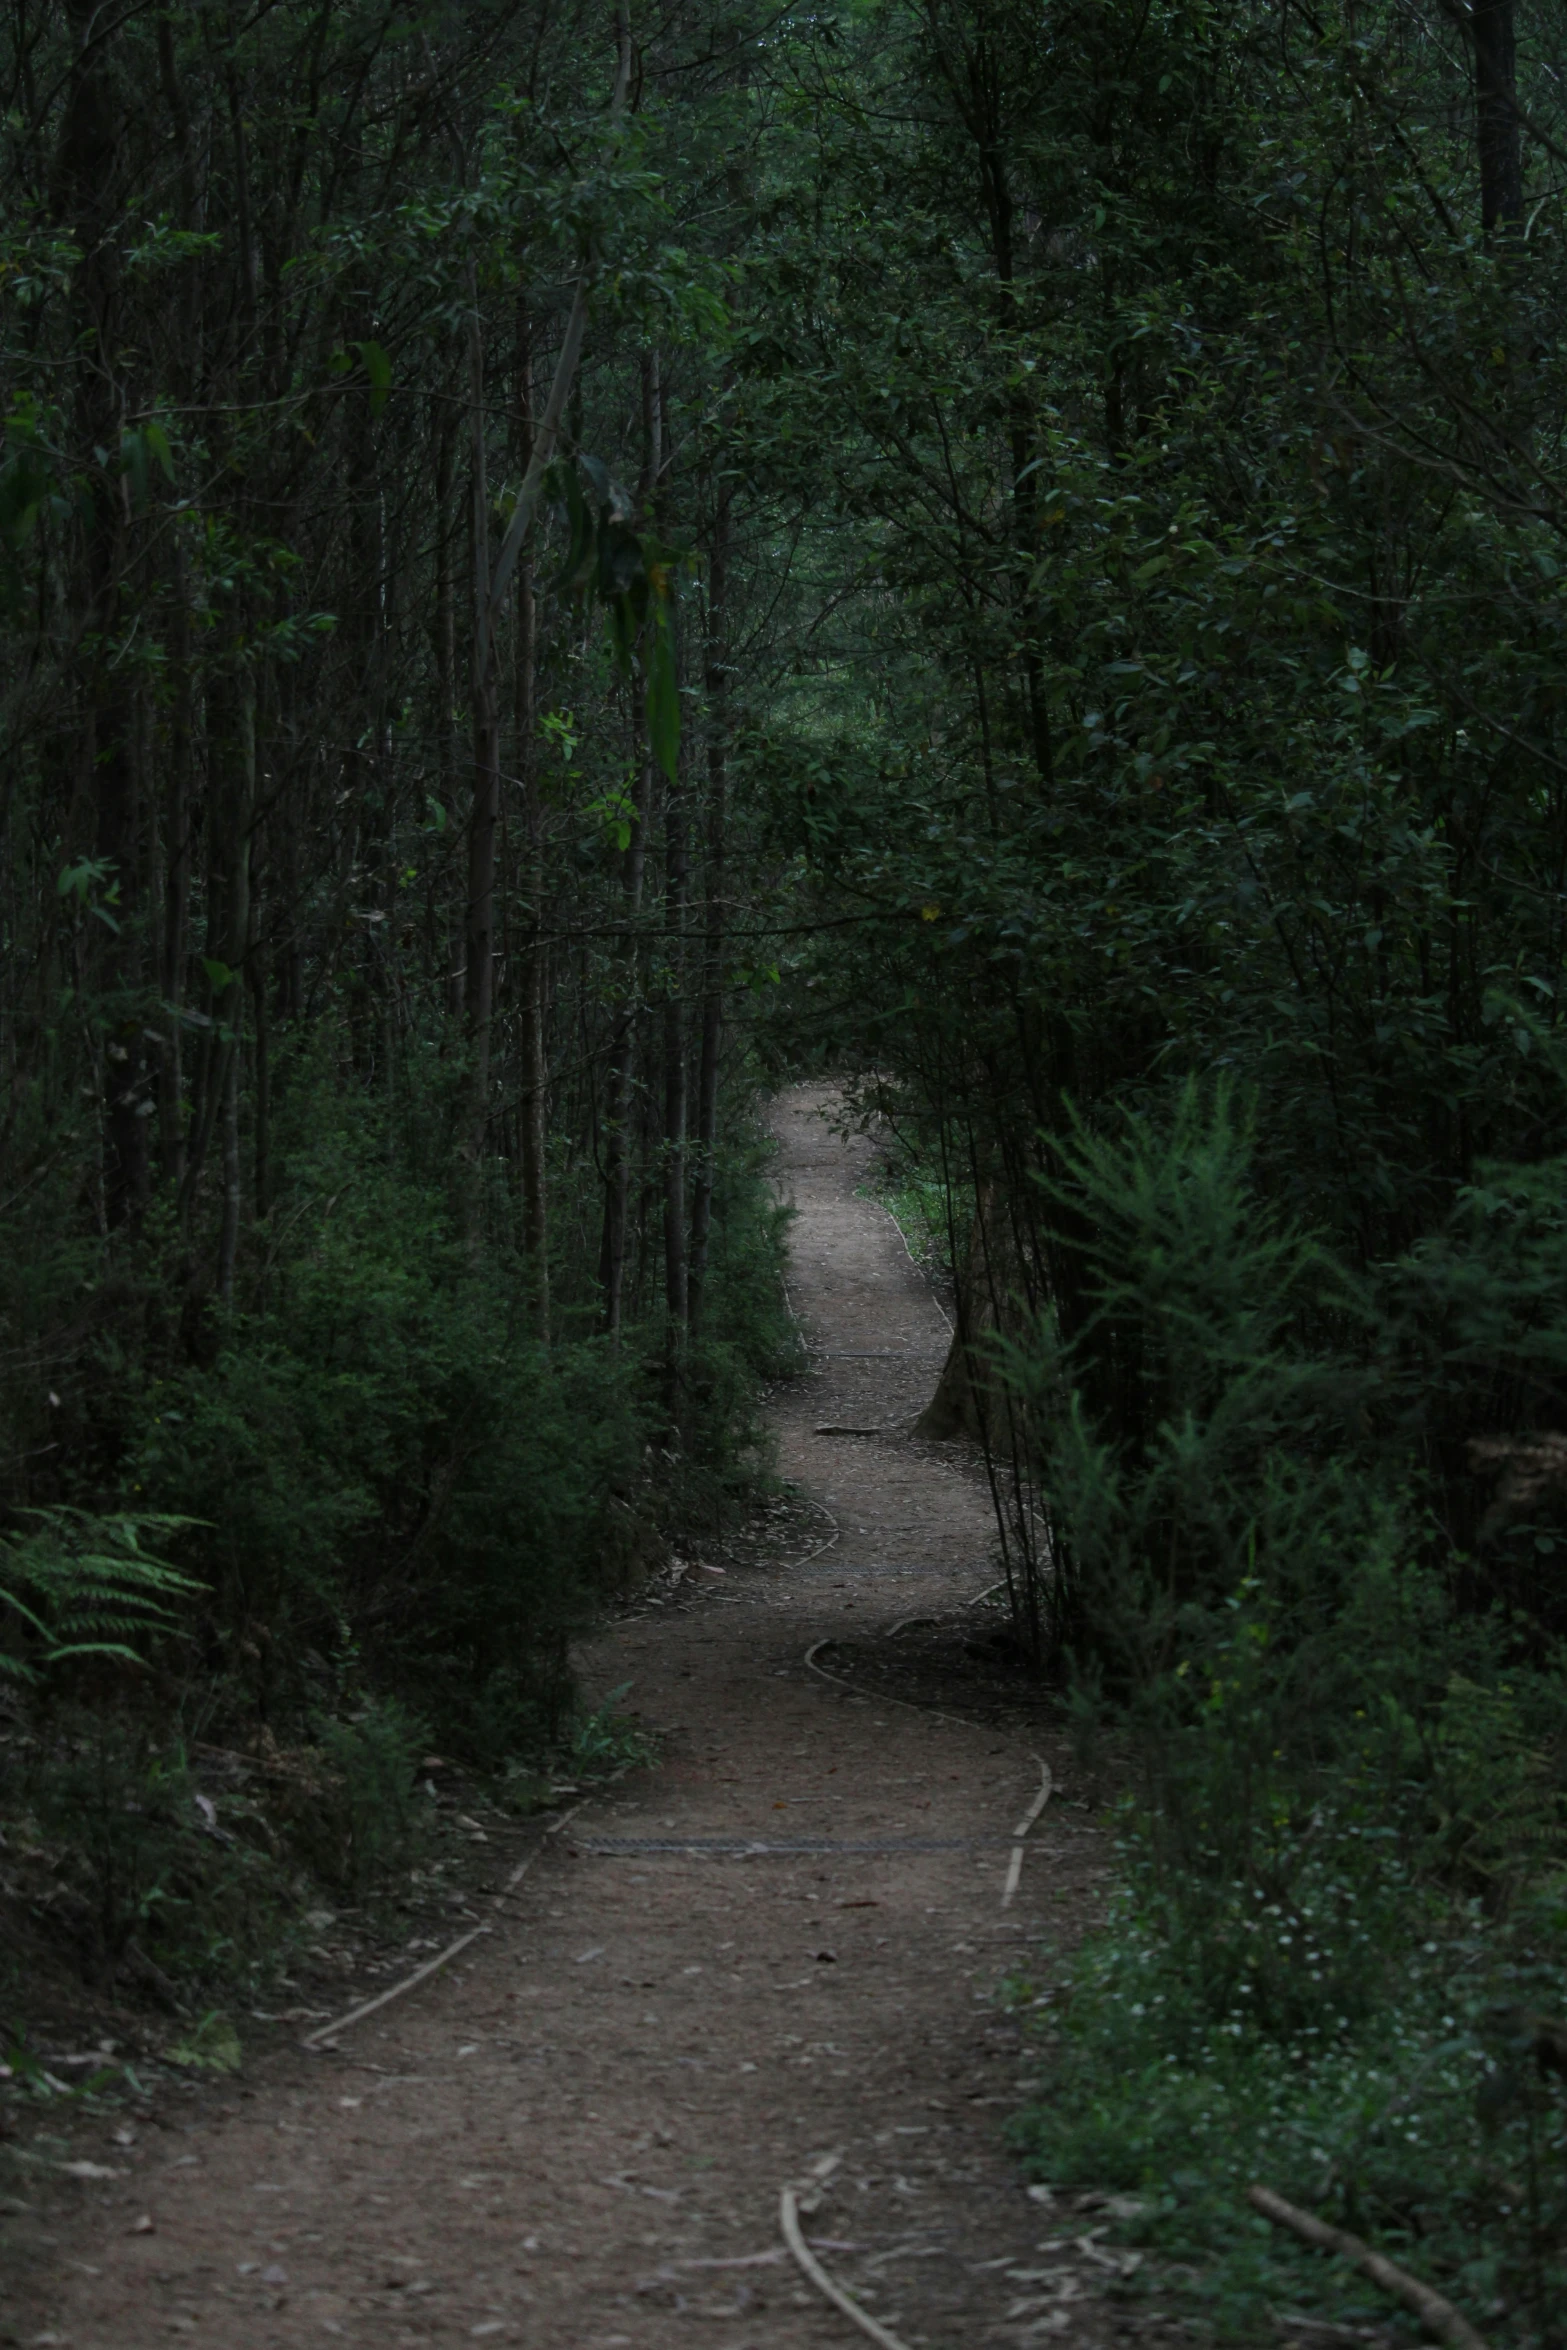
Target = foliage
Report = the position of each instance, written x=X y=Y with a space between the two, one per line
x=1107 y=701
x=1335 y=1963
x=374 y=1809
x=149 y=1887
x=1411 y=2109
x=603 y=1743
x=78 y=1586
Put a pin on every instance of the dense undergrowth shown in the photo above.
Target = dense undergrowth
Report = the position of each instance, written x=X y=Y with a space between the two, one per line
x=1337 y=1964
x=274 y=1556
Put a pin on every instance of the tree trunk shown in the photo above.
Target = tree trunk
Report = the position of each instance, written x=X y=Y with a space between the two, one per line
x=676 y=1293
x=717 y=685
x=1496 y=103
x=444 y=428
x=964 y=1403
x=620 y=1077
x=531 y=1007
x=230 y=1007
x=88 y=167
x=178 y=820
x=480 y=988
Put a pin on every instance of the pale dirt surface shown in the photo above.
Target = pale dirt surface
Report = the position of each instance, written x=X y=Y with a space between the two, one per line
x=577 y=2137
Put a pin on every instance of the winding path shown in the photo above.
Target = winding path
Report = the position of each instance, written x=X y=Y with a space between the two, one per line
x=576 y=2138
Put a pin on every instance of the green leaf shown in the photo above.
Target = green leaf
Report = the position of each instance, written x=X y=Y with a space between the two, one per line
x=663 y=697
x=621 y=634
x=378 y=368
x=24 y=486
x=573 y=573
x=220 y=977
x=133 y=464
x=157 y=441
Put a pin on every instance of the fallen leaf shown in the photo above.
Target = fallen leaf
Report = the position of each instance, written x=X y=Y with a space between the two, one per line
x=143 y=2226
x=90 y=2170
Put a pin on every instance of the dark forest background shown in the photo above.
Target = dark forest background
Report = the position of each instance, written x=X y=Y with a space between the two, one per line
x=557 y=567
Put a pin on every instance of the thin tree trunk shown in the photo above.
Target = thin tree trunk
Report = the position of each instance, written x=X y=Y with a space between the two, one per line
x=620 y=1077
x=480 y=990
x=1496 y=102
x=231 y=1004
x=445 y=431
x=261 y=1054
x=177 y=820
x=87 y=175
x=676 y=862
x=717 y=685
x=531 y=1008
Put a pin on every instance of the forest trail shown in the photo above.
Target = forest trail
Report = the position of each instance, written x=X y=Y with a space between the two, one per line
x=576 y=2138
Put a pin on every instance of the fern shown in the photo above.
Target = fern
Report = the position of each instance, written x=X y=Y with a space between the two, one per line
x=78 y=1585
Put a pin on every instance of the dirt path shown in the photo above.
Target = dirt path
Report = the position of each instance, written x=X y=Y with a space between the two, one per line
x=577 y=2138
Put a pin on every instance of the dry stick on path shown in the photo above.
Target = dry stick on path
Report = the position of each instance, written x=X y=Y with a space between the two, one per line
x=432 y=1966
x=806 y=2260
x=1440 y=2319
x=868 y=1697
x=1015 y=1864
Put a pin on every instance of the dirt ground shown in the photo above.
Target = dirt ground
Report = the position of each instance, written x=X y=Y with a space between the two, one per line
x=774 y=1958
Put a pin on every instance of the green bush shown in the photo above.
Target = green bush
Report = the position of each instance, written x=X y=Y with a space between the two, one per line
x=1412 y=2109
x=1338 y=1959
x=398 y=1482
x=150 y=1883
x=369 y=1821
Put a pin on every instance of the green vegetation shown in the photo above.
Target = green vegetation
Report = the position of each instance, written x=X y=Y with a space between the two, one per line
x=554 y=568
x=1339 y=1960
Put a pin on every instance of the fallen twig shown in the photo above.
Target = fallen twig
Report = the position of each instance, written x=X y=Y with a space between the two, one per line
x=877 y=1696
x=431 y=1966
x=1015 y=1864
x=1440 y=2319
x=789 y=1565
x=811 y=2267
x=356 y=2015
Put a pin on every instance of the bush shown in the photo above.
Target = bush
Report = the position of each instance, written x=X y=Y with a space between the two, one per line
x=369 y=1823
x=151 y=1887
x=362 y=1511
x=1340 y=1953
x=1412 y=2109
